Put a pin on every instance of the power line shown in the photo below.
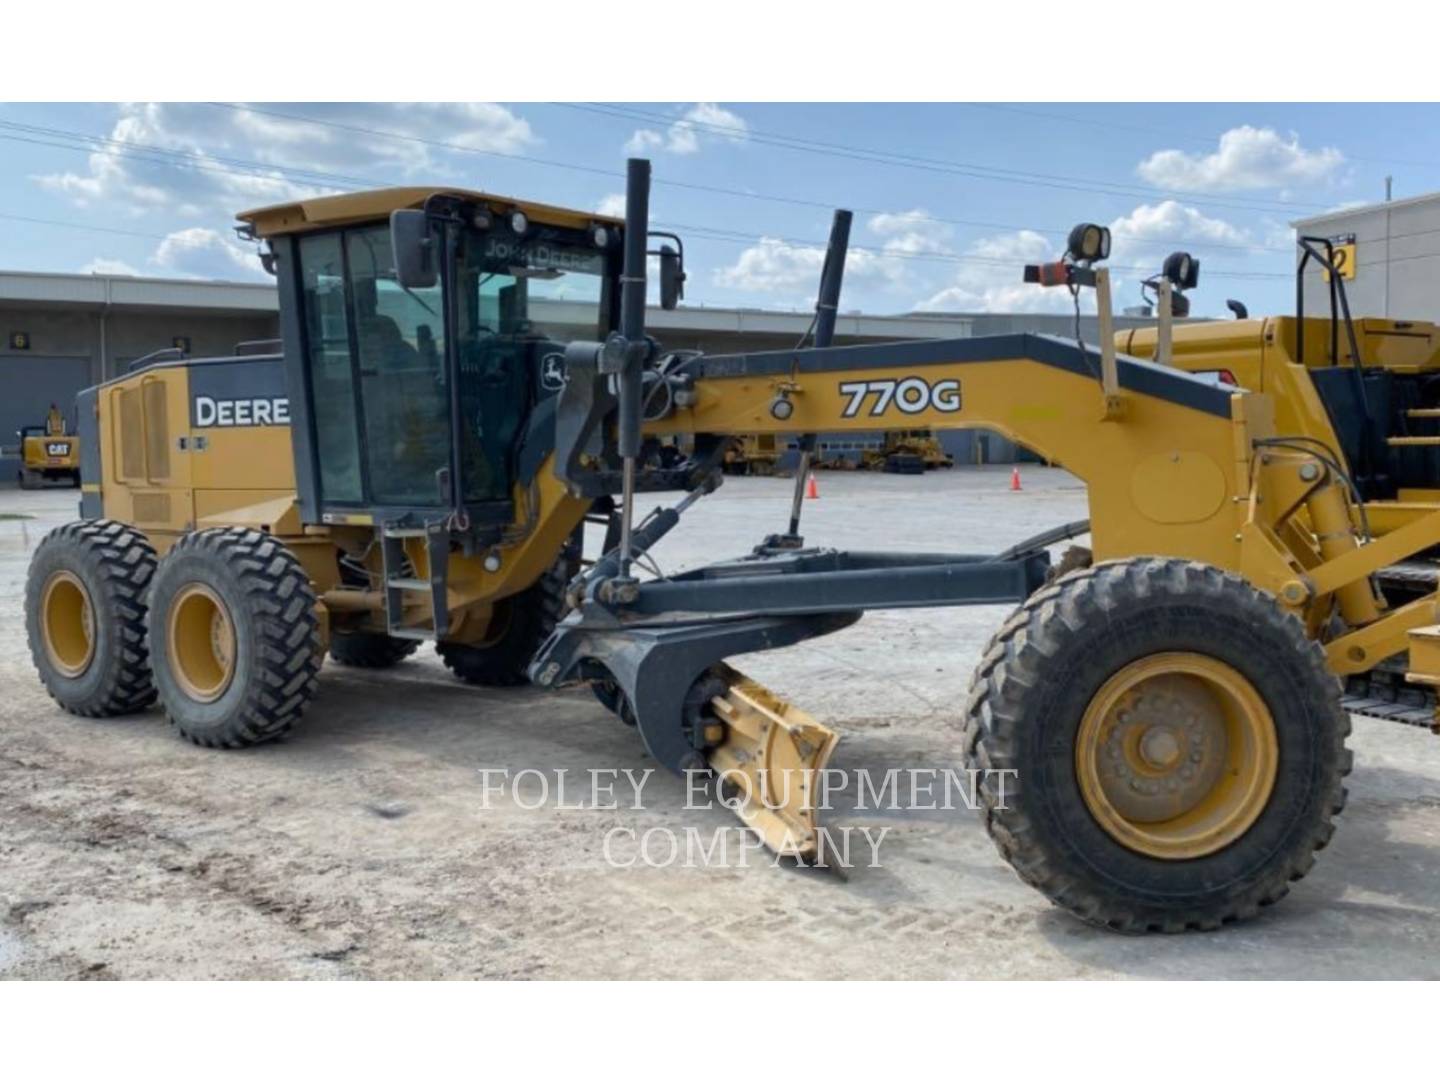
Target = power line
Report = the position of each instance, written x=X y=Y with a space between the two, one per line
x=197 y=160
x=1194 y=139
x=711 y=233
x=77 y=225
x=194 y=160
x=969 y=169
x=712 y=189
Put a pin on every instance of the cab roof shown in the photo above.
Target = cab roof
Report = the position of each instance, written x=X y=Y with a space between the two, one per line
x=328 y=211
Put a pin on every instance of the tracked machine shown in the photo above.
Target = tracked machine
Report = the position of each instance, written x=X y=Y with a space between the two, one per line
x=1158 y=736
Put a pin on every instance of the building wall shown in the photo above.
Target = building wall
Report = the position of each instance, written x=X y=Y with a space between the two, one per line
x=85 y=329
x=1397 y=257
x=65 y=354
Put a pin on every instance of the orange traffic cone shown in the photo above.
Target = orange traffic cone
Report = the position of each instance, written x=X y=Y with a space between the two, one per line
x=1015 y=478
x=812 y=490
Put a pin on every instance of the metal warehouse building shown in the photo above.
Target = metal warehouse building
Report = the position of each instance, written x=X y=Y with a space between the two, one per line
x=63 y=332
x=1395 y=258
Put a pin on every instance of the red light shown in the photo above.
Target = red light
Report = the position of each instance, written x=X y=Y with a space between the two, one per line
x=1228 y=377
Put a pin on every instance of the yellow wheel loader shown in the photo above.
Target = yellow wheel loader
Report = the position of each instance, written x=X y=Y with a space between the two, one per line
x=49 y=454
x=1157 y=739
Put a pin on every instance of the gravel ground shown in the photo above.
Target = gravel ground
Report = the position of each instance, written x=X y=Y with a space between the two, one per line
x=363 y=845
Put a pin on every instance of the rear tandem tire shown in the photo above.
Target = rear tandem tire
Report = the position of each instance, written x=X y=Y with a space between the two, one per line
x=89 y=580
x=234 y=637
x=1218 y=673
x=363 y=649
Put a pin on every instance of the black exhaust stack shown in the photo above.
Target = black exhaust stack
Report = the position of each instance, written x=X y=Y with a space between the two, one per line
x=632 y=303
x=626 y=354
x=827 y=305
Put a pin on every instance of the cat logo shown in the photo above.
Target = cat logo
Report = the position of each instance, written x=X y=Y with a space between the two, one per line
x=57 y=449
x=552 y=371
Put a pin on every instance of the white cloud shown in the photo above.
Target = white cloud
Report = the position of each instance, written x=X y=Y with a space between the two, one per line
x=777 y=266
x=1149 y=232
x=643 y=141
x=702 y=122
x=991 y=279
x=201 y=159
x=205 y=253
x=103 y=265
x=612 y=205
x=912 y=232
x=1246 y=158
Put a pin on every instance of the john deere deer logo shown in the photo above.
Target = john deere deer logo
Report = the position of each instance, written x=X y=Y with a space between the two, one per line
x=552 y=371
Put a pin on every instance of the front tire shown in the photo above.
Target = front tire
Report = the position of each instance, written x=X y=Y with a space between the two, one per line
x=1174 y=745
x=519 y=625
x=85 y=606
x=235 y=638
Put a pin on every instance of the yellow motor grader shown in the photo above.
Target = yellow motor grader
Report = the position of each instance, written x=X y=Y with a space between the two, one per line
x=1158 y=737
x=1363 y=391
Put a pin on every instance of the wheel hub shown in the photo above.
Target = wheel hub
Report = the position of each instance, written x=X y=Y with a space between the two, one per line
x=201 y=639
x=1176 y=755
x=67 y=624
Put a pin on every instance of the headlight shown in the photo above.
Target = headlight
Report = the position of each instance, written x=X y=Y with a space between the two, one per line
x=1089 y=243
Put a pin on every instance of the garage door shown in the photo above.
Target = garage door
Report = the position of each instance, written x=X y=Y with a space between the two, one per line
x=28 y=384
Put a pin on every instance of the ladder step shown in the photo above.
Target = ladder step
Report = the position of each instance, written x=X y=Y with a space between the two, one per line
x=417 y=584
x=411 y=633
x=1423 y=414
x=396 y=533
x=1413 y=440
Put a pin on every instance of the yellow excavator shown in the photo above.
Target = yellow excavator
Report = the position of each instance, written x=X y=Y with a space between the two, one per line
x=49 y=453
x=1156 y=735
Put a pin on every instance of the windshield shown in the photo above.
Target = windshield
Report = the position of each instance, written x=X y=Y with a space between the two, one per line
x=377 y=364
x=519 y=298
x=542 y=285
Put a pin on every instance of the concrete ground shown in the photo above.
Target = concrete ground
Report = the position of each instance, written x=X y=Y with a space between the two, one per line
x=361 y=846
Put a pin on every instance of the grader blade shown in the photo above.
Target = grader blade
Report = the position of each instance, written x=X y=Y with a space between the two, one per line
x=772 y=761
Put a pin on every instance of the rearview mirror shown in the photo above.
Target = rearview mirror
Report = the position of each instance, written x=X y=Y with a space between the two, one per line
x=672 y=277
x=414 y=249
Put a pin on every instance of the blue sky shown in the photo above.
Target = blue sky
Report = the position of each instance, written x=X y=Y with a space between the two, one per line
x=950 y=200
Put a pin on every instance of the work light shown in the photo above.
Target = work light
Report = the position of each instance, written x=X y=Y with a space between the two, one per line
x=1089 y=243
x=1182 y=270
x=519 y=222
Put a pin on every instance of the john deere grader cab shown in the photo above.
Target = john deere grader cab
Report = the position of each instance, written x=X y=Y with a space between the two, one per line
x=1157 y=733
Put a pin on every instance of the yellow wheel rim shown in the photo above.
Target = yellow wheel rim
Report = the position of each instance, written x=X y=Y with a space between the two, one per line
x=501 y=614
x=1176 y=755
x=201 y=640
x=67 y=624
